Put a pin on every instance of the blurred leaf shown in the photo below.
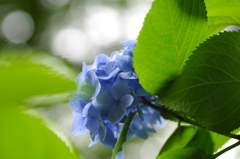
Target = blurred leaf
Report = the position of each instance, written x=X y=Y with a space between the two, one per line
x=171 y=31
x=123 y=135
x=179 y=139
x=217 y=23
x=25 y=74
x=223 y=7
x=47 y=100
x=208 y=88
x=25 y=137
x=186 y=153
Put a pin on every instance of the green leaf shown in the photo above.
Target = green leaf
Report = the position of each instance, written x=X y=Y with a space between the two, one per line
x=23 y=136
x=189 y=136
x=27 y=74
x=209 y=87
x=223 y=7
x=217 y=23
x=219 y=140
x=186 y=153
x=123 y=135
x=46 y=100
x=202 y=139
x=179 y=139
x=171 y=31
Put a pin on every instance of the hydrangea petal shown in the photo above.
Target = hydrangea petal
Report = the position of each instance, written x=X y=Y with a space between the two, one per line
x=94 y=140
x=129 y=43
x=102 y=131
x=78 y=127
x=142 y=134
x=119 y=89
x=128 y=75
x=109 y=140
x=77 y=105
x=116 y=113
x=103 y=102
x=124 y=63
x=101 y=61
x=126 y=101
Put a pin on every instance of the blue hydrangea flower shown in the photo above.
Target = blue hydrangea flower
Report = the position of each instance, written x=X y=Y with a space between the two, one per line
x=107 y=91
x=113 y=104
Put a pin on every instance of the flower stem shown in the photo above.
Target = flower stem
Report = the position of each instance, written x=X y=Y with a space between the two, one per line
x=224 y=150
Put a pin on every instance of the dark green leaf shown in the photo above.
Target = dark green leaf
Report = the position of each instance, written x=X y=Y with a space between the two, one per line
x=123 y=135
x=217 y=23
x=189 y=136
x=223 y=7
x=179 y=139
x=171 y=31
x=208 y=89
x=202 y=139
x=25 y=137
x=186 y=153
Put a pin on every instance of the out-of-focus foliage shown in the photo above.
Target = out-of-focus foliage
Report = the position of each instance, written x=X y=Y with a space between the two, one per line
x=25 y=74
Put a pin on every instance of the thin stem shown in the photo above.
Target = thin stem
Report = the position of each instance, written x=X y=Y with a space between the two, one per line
x=225 y=150
x=180 y=118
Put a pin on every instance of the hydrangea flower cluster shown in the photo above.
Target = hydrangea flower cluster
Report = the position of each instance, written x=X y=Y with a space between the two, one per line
x=107 y=91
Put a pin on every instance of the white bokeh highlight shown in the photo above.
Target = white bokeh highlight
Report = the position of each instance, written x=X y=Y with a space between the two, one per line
x=17 y=26
x=103 y=25
x=71 y=44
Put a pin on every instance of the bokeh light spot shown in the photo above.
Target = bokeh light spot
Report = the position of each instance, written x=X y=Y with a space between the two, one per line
x=17 y=26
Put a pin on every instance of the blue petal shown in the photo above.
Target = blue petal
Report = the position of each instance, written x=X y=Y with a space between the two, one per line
x=109 y=140
x=94 y=126
x=119 y=89
x=151 y=130
x=124 y=62
x=128 y=52
x=102 y=131
x=126 y=101
x=93 y=86
x=94 y=140
x=111 y=75
x=137 y=88
x=100 y=61
x=103 y=102
x=78 y=127
x=116 y=113
x=128 y=75
x=130 y=43
x=142 y=134
x=114 y=55
x=77 y=105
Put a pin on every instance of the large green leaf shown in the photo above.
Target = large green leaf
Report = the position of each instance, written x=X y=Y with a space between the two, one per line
x=171 y=31
x=209 y=87
x=25 y=137
x=26 y=74
x=186 y=153
x=223 y=7
x=217 y=23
